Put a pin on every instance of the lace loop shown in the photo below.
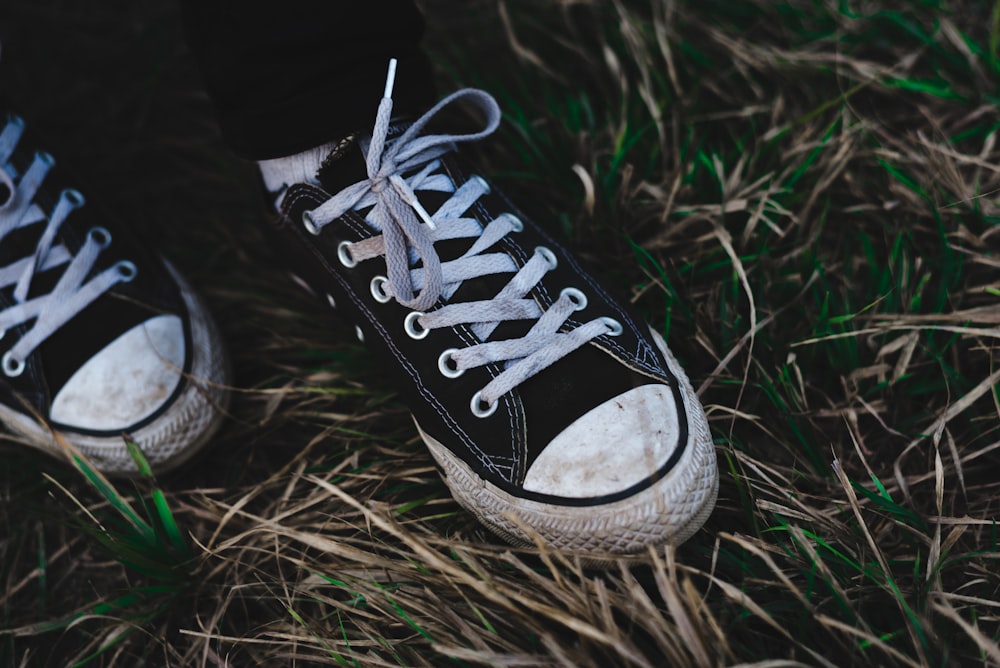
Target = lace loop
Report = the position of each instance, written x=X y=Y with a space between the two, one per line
x=404 y=224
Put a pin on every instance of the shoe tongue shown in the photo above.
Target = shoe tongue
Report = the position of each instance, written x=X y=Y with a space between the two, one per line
x=345 y=164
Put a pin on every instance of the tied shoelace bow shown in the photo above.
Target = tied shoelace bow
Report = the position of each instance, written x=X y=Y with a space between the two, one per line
x=408 y=235
x=71 y=293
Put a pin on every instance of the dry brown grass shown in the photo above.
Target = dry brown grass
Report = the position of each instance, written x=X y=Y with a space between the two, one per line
x=808 y=201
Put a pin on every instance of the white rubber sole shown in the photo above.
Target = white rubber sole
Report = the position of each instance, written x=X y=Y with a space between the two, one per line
x=174 y=436
x=668 y=512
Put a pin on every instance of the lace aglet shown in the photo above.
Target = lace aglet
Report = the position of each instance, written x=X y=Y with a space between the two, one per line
x=410 y=197
x=422 y=212
x=390 y=79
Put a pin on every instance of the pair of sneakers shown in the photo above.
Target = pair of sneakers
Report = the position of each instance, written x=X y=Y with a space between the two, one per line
x=552 y=410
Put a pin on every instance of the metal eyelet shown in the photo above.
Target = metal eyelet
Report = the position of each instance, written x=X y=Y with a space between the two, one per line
x=12 y=367
x=331 y=301
x=100 y=236
x=410 y=325
x=486 y=185
x=309 y=223
x=576 y=296
x=445 y=362
x=344 y=255
x=613 y=325
x=126 y=270
x=477 y=406
x=377 y=287
x=75 y=198
x=515 y=222
x=549 y=256
x=358 y=333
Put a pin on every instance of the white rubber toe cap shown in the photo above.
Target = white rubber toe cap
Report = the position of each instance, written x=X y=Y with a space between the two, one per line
x=611 y=448
x=127 y=381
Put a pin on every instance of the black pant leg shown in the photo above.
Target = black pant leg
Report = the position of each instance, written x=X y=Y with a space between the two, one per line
x=287 y=76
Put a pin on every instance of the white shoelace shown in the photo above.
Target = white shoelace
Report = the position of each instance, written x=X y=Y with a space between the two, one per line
x=408 y=235
x=71 y=294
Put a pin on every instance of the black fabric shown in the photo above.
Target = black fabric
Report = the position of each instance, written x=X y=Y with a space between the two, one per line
x=503 y=446
x=152 y=292
x=288 y=76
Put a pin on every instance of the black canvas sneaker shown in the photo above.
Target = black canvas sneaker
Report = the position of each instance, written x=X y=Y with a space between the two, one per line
x=552 y=410
x=98 y=336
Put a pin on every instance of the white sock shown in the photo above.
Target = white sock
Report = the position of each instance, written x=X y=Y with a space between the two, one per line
x=280 y=173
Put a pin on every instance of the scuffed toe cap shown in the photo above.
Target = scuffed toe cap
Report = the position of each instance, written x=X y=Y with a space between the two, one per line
x=127 y=381
x=611 y=448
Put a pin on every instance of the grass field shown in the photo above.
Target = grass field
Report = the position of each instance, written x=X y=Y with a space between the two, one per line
x=804 y=196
